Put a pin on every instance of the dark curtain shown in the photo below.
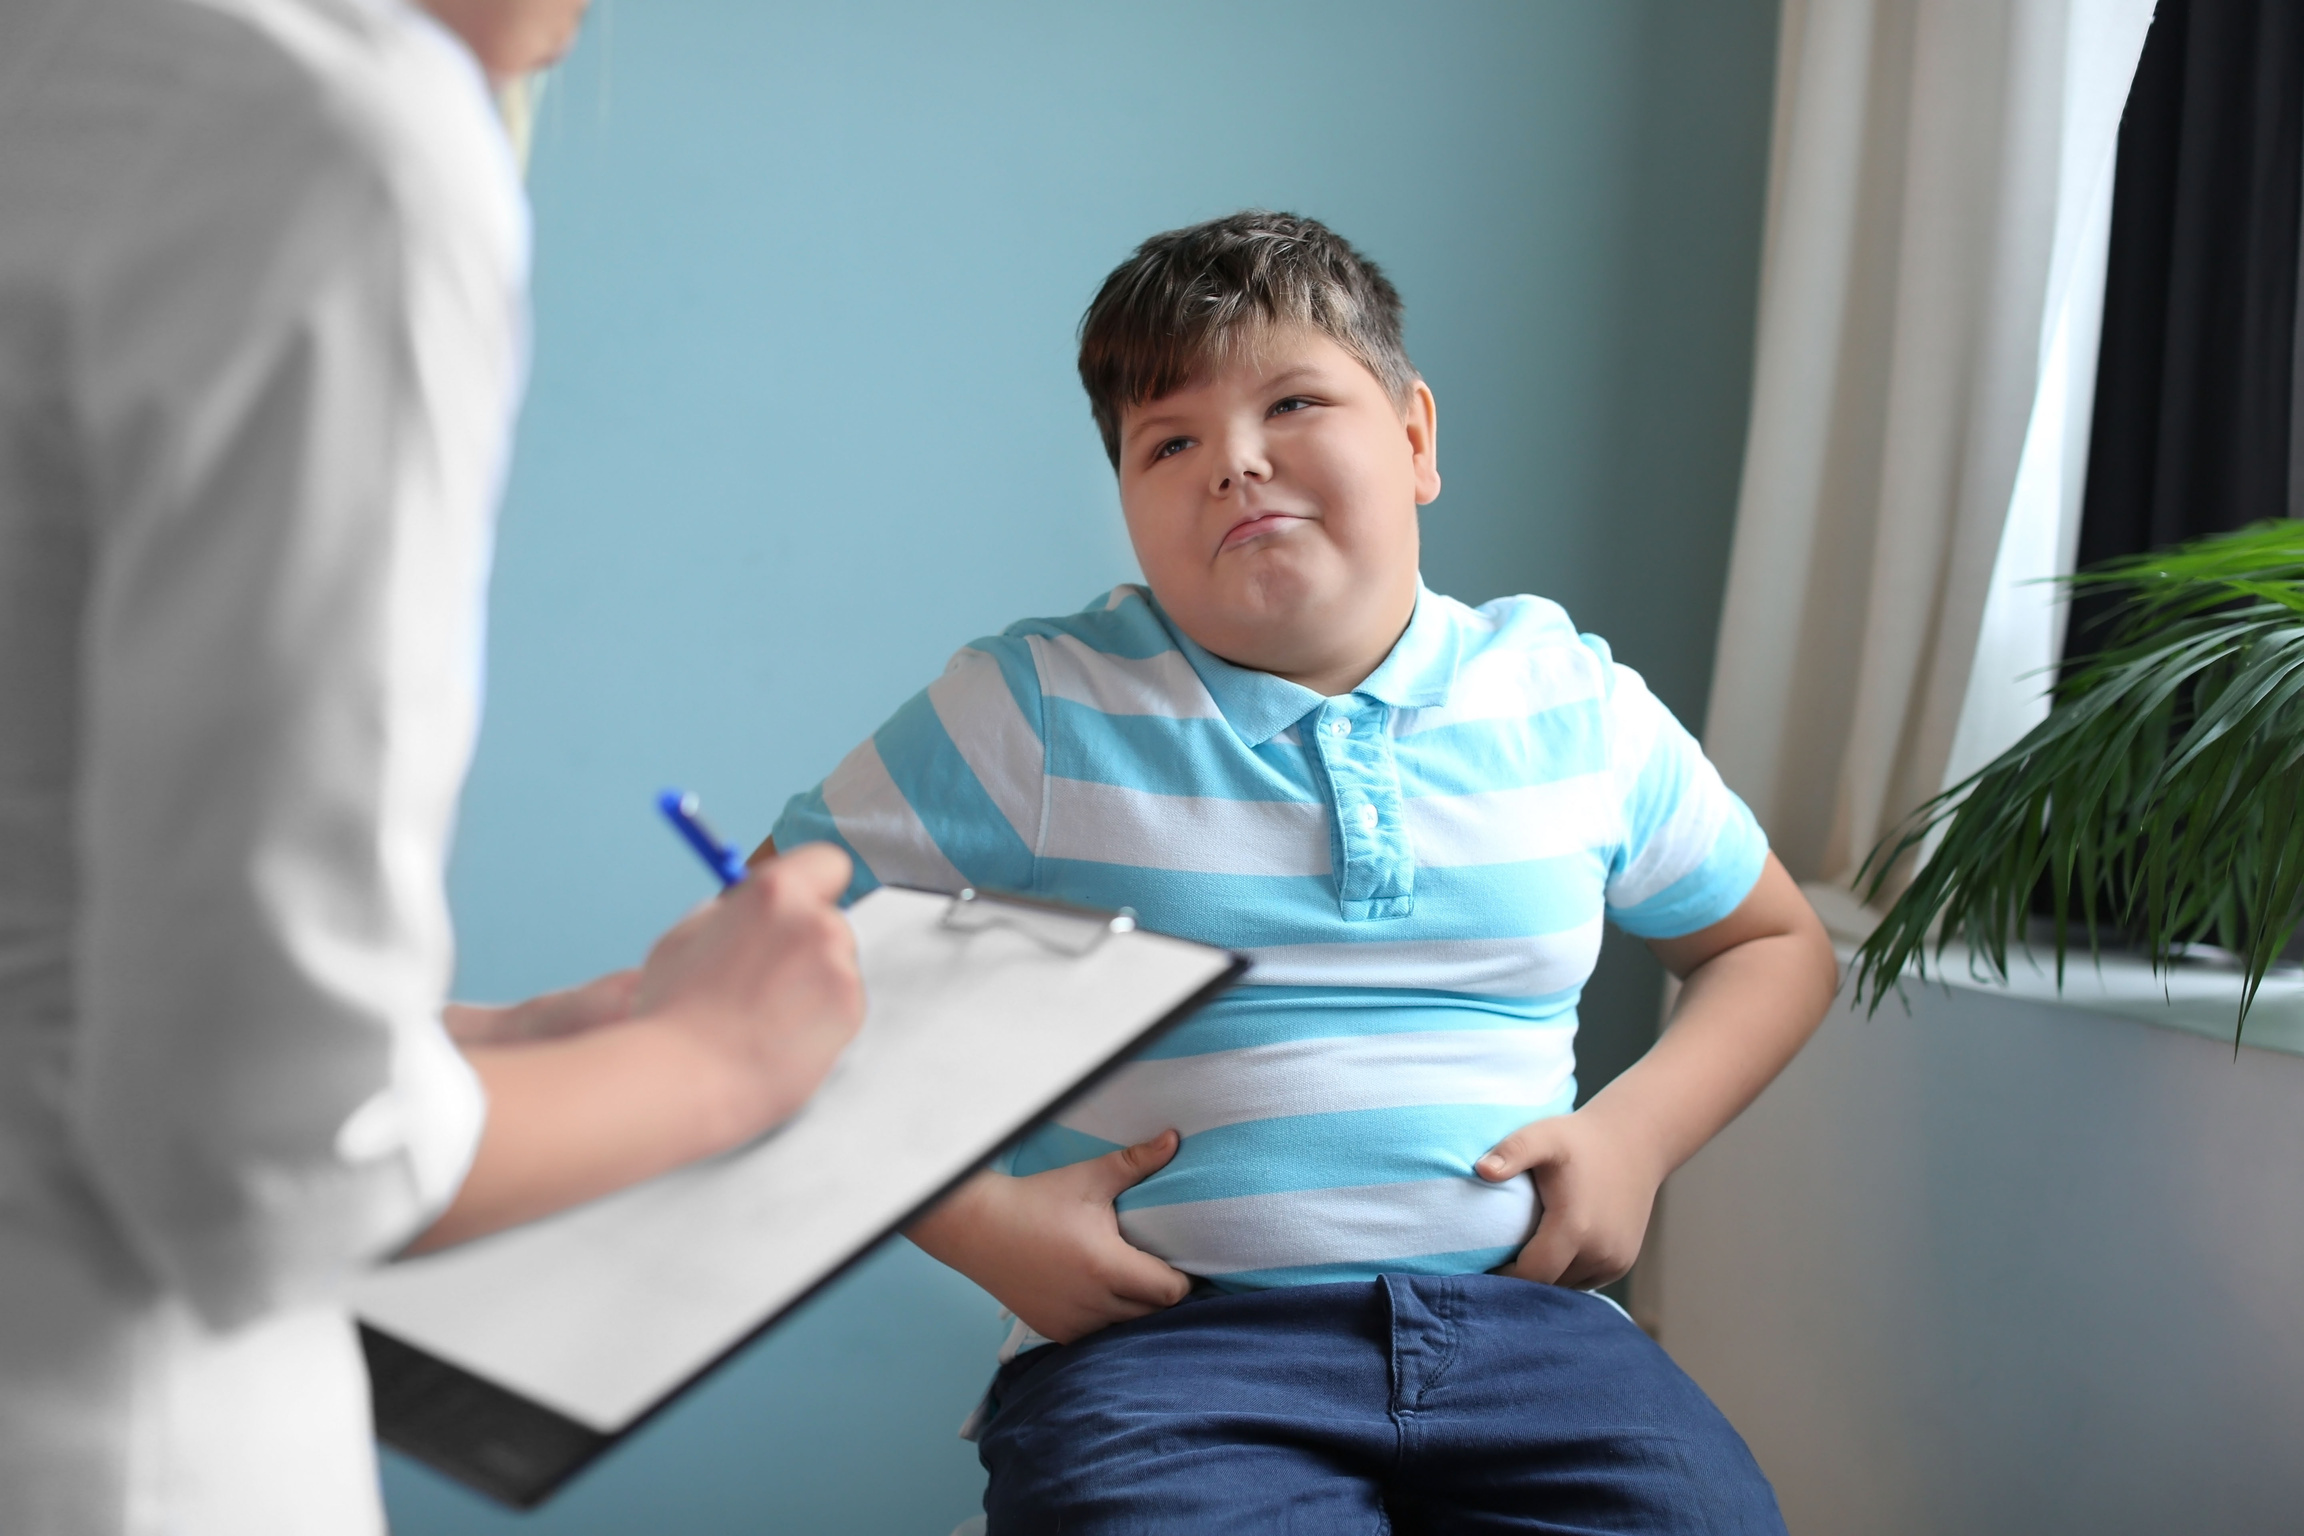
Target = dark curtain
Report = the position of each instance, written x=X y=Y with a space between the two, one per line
x=2194 y=414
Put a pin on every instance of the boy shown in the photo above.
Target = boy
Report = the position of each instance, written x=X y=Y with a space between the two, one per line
x=1348 y=1296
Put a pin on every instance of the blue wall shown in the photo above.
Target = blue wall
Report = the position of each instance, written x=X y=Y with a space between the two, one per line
x=803 y=420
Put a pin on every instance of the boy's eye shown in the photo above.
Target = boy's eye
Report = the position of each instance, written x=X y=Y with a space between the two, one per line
x=1168 y=449
x=1292 y=403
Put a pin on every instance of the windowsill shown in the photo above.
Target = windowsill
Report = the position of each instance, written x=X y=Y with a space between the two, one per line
x=2197 y=999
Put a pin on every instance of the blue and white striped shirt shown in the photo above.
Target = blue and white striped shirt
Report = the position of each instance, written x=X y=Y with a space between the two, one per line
x=1419 y=871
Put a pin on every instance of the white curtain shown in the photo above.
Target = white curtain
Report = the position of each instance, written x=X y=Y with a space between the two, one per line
x=1939 y=195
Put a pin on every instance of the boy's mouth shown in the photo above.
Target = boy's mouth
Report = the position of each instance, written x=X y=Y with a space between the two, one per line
x=1255 y=527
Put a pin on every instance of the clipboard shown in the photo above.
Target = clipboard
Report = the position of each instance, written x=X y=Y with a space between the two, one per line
x=512 y=1362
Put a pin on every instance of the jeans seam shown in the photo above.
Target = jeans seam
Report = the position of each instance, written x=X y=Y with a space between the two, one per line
x=1399 y=1411
x=1448 y=1311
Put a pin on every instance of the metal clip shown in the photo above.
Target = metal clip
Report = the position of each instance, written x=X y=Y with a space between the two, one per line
x=1068 y=930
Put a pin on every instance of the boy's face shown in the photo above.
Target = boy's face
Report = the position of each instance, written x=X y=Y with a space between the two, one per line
x=1273 y=508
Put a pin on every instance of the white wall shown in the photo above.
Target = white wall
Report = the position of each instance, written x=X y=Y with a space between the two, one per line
x=2002 y=1265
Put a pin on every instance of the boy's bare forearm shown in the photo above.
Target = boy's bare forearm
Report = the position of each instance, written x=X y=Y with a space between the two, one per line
x=1745 y=1009
x=1048 y=1246
x=1757 y=983
x=951 y=1230
x=1741 y=1018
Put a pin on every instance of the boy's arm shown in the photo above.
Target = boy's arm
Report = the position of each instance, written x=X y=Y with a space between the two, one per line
x=1755 y=986
x=1048 y=1245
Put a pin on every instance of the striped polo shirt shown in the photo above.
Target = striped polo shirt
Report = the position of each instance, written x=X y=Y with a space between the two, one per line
x=1418 y=870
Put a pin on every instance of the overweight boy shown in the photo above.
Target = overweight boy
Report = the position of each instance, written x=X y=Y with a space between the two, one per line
x=1317 y=1261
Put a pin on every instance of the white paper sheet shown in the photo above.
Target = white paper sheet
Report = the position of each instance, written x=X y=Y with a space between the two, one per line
x=600 y=1312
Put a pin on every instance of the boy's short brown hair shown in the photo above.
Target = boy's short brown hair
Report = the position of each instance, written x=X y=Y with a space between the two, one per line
x=1188 y=297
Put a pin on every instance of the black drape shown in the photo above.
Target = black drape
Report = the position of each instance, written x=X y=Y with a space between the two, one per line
x=2194 y=383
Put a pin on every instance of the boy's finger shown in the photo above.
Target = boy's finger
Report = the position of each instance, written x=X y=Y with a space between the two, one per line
x=1546 y=1258
x=1526 y=1148
x=1587 y=1275
x=1130 y=1166
x=1138 y=1277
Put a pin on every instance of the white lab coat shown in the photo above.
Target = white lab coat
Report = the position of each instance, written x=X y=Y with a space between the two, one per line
x=262 y=269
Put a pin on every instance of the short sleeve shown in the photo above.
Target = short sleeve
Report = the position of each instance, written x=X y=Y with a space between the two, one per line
x=1690 y=851
x=949 y=792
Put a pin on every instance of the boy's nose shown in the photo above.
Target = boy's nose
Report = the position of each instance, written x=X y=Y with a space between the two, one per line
x=1238 y=467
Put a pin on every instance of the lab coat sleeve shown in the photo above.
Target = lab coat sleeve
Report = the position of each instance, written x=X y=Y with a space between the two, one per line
x=297 y=370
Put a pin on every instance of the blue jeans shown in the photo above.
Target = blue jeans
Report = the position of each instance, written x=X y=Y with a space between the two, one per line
x=1411 y=1403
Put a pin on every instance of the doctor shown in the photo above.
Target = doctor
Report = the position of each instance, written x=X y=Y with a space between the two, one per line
x=262 y=277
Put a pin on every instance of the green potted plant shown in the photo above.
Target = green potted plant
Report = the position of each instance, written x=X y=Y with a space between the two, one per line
x=2161 y=803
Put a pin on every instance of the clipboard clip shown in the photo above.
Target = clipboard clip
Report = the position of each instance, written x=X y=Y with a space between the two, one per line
x=1068 y=930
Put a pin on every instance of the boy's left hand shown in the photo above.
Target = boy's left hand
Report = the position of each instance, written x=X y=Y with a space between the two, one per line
x=1596 y=1185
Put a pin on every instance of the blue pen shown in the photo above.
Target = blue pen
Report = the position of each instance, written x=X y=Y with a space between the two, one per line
x=685 y=813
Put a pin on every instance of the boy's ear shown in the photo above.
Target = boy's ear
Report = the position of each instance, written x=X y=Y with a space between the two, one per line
x=1422 y=419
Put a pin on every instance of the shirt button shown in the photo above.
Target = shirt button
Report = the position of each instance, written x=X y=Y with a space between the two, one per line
x=1367 y=818
x=1340 y=727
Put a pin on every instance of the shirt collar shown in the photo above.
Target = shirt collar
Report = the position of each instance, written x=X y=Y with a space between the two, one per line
x=1421 y=670
x=1417 y=674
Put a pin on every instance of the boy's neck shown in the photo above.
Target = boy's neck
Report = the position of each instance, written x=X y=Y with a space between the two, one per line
x=1334 y=678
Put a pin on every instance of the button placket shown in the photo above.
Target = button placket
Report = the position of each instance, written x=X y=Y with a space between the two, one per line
x=1375 y=874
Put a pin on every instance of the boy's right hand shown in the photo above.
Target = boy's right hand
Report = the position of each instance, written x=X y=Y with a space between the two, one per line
x=1048 y=1245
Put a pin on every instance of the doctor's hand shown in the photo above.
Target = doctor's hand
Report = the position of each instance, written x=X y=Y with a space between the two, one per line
x=1048 y=1245
x=727 y=1027
x=763 y=981
x=1596 y=1183
x=603 y=1000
